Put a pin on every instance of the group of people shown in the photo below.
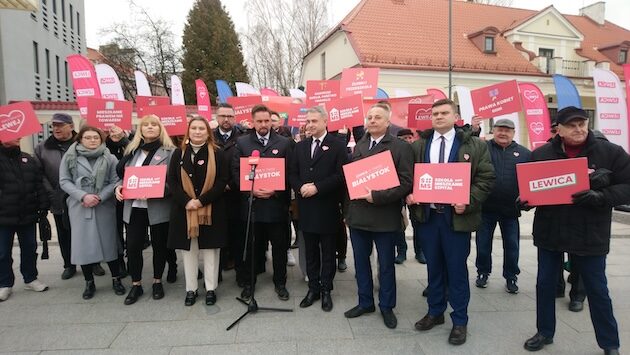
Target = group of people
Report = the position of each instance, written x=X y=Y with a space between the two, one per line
x=203 y=212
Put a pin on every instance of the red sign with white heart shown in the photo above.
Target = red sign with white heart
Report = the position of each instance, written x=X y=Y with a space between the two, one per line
x=18 y=120
x=536 y=114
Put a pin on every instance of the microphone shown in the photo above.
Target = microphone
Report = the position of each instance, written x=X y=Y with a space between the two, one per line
x=253 y=162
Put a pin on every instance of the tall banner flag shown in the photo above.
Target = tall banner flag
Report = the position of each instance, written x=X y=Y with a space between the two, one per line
x=108 y=82
x=177 y=93
x=142 y=85
x=223 y=90
x=466 y=110
x=437 y=94
x=203 y=100
x=566 y=92
x=244 y=89
x=626 y=76
x=297 y=94
x=381 y=94
x=84 y=81
x=612 y=113
x=536 y=114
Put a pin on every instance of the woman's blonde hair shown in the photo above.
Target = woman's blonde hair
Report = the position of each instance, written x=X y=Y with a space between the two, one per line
x=164 y=139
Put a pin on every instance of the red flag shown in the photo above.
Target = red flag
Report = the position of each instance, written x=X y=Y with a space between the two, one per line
x=437 y=94
x=203 y=100
x=536 y=114
x=84 y=81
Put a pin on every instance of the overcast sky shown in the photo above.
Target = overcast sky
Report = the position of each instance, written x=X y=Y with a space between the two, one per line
x=99 y=14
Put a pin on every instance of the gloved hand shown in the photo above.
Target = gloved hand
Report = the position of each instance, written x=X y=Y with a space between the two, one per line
x=522 y=205
x=589 y=198
x=599 y=179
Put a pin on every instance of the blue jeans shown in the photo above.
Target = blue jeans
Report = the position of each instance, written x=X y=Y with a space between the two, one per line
x=592 y=269
x=28 y=253
x=510 y=233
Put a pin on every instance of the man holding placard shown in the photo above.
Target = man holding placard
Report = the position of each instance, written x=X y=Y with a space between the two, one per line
x=374 y=216
x=444 y=228
x=581 y=228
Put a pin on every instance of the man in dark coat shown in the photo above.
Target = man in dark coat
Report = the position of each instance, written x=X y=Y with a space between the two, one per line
x=581 y=228
x=316 y=176
x=376 y=218
x=270 y=208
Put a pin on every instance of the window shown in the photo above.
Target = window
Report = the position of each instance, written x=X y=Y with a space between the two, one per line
x=36 y=56
x=65 y=72
x=54 y=6
x=78 y=24
x=489 y=44
x=47 y=63
x=71 y=19
x=323 y=65
x=623 y=56
x=57 y=67
x=63 y=10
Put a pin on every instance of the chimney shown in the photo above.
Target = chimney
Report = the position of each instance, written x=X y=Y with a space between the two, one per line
x=595 y=12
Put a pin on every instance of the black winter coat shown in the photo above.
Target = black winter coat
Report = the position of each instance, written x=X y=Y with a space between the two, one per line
x=583 y=230
x=21 y=188
x=232 y=195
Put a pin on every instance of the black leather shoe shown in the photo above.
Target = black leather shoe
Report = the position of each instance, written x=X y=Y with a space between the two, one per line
x=576 y=306
x=611 y=351
x=118 y=287
x=389 y=318
x=158 y=291
x=98 y=270
x=458 y=335
x=425 y=292
x=283 y=293
x=68 y=273
x=310 y=298
x=135 y=293
x=421 y=258
x=427 y=322
x=537 y=342
x=211 y=298
x=327 y=303
x=89 y=291
x=191 y=297
x=171 y=276
x=246 y=294
x=342 y=266
x=199 y=275
x=358 y=311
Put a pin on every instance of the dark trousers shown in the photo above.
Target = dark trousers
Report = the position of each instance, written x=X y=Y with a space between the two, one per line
x=510 y=233
x=320 y=261
x=341 y=240
x=88 y=270
x=446 y=252
x=276 y=233
x=417 y=244
x=592 y=269
x=28 y=253
x=401 y=243
x=362 y=242
x=236 y=244
x=577 y=292
x=136 y=235
x=63 y=236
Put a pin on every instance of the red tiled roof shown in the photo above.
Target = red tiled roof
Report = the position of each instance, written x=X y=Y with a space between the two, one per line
x=413 y=34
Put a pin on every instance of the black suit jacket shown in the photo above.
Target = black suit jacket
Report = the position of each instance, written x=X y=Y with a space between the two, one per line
x=232 y=195
x=319 y=213
x=276 y=208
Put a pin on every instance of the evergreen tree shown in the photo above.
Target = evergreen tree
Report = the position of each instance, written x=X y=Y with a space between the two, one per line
x=211 y=49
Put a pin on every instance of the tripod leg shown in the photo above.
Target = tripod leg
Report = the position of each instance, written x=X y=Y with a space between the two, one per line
x=238 y=320
x=274 y=309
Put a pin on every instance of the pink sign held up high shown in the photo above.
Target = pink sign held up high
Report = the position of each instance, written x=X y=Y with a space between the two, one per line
x=359 y=81
x=496 y=100
x=18 y=120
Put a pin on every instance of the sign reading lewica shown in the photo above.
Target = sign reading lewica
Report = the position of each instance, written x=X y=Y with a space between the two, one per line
x=442 y=183
x=18 y=120
x=269 y=175
x=104 y=113
x=496 y=100
x=552 y=182
x=144 y=182
x=376 y=172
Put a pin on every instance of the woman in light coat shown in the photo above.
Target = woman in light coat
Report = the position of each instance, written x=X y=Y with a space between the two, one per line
x=150 y=146
x=88 y=175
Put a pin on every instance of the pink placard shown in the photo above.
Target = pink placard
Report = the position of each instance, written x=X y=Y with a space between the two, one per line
x=144 y=182
x=552 y=182
x=345 y=112
x=442 y=183
x=400 y=107
x=359 y=81
x=376 y=172
x=321 y=92
x=297 y=115
x=18 y=120
x=144 y=101
x=496 y=100
x=243 y=106
x=104 y=113
x=270 y=174
x=173 y=118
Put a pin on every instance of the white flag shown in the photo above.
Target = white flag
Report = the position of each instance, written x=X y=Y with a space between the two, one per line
x=108 y=82
x=466 y=110
x=612 y=113
x=177 y=93
x=142 y=85
x=244 y=89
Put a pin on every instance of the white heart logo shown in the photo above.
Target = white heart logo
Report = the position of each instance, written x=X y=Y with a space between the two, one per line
x=12 y=122
x=536 y=127
x=423 y=114
x=531 y=95
x=202 y=93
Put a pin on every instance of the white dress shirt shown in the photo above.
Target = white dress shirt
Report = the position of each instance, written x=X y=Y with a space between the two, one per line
x=313 y=145
x=449 y=137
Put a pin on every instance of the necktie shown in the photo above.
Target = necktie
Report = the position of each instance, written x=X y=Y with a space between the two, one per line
x=315 y=149
x=225 y=137
x=262 y=141
x=442 y=149
x=373 y=144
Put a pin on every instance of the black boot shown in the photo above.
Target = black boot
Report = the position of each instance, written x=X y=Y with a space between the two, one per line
x=118 y=287
x=89 y=291
x=122 y=267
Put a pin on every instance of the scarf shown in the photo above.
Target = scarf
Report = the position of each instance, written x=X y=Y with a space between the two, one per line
x=151 y=148
x=190 y=162
x=99 y=170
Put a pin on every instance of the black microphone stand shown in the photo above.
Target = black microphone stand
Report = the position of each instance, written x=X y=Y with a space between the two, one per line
x=252 y=305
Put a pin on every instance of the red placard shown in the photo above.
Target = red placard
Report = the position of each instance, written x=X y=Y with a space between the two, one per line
x=552 y=182
x=496 y=100
x=346 y=112
x=441 y=183
x=419 y=116
x=18 y=120
x=359 y=81
x=243 y=106
x=376 y=172
x=321 y=92
x=400 y=107
x=144 y=182
x=144 y=101
x=280 y=104
x=104 y=113
x=297 y=115
x=270 y=174
x=173 y=118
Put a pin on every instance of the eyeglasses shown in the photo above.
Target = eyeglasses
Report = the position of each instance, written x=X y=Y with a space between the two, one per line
x=225 y=116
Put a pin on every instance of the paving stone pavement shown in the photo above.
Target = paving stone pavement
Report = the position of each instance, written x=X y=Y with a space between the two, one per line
x=59 y=321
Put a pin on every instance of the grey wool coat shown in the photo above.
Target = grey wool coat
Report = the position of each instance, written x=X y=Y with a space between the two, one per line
x=94 y=235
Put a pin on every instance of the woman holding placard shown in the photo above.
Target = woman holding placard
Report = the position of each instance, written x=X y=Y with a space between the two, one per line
x=150 y=146
x=88 y=175
x=197 y=175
